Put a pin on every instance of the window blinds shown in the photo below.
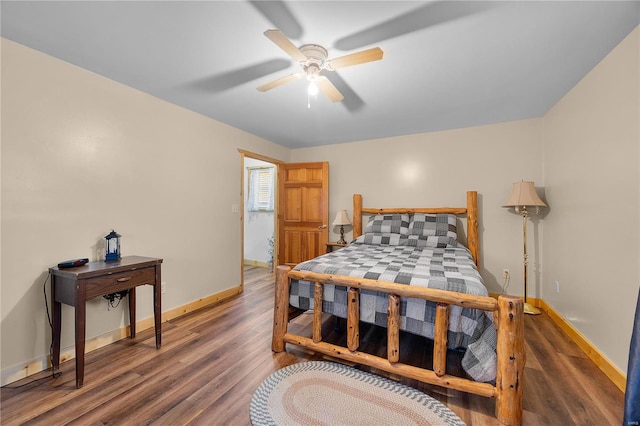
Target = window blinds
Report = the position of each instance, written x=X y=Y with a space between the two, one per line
x=261 y=183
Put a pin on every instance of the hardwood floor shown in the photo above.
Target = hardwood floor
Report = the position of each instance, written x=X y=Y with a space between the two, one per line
x=212 y=360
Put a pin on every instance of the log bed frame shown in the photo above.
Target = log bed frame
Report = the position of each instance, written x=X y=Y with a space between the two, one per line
x=507 y=312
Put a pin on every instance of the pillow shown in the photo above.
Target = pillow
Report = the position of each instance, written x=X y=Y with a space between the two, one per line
x=384 y=239
x=431 y=241
x=439 y=225
x=388 y=224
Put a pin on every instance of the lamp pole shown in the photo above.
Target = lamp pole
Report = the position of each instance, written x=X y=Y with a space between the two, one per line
x=528 y=309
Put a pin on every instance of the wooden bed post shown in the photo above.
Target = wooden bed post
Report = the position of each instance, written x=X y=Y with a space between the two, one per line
x=440 y=339
x=393 y=328
x=357 y=215
x=511 y=360
x=353 y=319
x=318 y=292
x=280 y=308
x=472 y=226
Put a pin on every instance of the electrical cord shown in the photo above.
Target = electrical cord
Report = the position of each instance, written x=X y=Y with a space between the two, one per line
x=507 y=281
x=111 y=298
x=54 y=375
x=46 y=305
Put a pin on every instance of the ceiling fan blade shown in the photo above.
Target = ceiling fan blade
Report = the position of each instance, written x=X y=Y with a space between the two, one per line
x=279 y=82
x=285 y=44
x=369 y=55
x=329 y=89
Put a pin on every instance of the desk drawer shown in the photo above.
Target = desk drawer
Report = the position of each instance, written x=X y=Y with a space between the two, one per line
x=104 y=284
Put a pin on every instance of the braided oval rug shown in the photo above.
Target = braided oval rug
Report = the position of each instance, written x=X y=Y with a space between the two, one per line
x=320 y=392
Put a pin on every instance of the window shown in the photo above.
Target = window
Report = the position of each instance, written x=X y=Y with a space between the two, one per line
x=260 y=197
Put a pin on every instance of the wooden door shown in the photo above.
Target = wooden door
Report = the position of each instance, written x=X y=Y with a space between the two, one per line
x=303 y=211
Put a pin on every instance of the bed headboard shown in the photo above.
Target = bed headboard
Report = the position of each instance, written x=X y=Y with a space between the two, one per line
x=471 y=211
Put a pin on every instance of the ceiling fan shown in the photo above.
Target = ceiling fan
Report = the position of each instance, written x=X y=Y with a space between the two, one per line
x=313 y=59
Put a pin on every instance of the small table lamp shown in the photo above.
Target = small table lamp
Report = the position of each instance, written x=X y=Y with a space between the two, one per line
x=341 y=219
x=523 y=195
x=112 y=246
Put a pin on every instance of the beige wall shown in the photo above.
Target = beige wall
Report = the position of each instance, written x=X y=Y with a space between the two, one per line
x=591 y=158
x=82 y=154
x=436 y=169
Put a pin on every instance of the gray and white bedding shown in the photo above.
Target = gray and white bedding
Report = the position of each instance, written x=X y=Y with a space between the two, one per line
x=419 y=250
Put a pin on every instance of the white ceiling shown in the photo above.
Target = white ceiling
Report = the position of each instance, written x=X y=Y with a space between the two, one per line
x=447 y=64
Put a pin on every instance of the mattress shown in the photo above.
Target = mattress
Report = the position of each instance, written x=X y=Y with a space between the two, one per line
x=446 y=266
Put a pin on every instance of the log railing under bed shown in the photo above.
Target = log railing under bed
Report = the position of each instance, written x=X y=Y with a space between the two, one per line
x=507 y=313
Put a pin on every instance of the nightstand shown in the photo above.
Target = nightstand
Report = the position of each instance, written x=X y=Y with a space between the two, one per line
x=334 y=246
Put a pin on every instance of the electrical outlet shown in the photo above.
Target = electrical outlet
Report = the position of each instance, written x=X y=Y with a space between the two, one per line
x=557 y=286
x=505 y=274
x=163 y=287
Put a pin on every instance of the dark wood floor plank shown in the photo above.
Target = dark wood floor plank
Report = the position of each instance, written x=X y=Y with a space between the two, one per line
x=213 y=359
x=87 y=402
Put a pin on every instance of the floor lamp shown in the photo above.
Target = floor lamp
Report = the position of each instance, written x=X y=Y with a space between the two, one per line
x=523 y=197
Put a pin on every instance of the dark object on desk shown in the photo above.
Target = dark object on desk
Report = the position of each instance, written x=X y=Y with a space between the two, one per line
x=72 y=263
x=632 y=393
x=74 y=286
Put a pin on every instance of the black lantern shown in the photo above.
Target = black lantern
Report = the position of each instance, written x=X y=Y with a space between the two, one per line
x=112 y=246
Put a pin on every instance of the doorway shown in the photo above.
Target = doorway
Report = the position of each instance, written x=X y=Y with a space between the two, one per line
x=259 y=211
x=297 y=230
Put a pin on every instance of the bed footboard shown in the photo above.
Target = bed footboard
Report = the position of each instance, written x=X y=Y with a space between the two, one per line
x=507 y=312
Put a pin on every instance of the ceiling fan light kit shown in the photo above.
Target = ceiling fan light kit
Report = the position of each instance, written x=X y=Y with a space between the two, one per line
x=312 y=90
x=313 y=59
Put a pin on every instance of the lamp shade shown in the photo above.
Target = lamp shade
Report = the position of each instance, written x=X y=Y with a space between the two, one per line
x=342 y=218
x=524 y=194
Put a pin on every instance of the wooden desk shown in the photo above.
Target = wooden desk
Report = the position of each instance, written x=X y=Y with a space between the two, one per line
x=74 y=286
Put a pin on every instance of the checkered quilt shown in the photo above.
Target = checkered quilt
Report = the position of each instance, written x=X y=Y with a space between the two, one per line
x=445 y=267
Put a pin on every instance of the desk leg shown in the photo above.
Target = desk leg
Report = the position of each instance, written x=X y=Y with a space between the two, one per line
x=132 y=311
x=81 y=324
x=56 y=314
x=157 y=306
